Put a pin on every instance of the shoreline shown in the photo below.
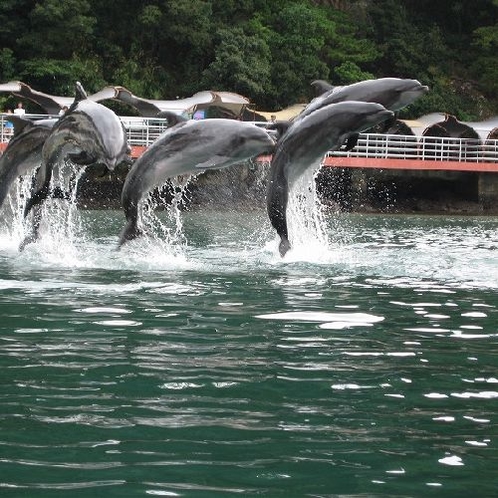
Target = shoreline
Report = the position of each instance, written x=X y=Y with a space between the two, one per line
x=350 y=191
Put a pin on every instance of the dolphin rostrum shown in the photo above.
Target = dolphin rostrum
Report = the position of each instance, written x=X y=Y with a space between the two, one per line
x=88 y=133
x=24 y=151
x=186 y=148
x=304 y=145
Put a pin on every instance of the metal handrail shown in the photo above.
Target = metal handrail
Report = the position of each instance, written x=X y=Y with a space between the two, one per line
x=143 y=132
x=425 y=148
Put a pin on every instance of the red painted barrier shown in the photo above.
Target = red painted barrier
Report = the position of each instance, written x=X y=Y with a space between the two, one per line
x=410 y=164
x=413 y=164
x=137 y=151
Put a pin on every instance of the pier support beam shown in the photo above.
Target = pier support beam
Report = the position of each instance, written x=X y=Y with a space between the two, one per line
x=487 y=186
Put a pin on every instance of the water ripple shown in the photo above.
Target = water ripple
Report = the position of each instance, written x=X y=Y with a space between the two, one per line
x=216 y=368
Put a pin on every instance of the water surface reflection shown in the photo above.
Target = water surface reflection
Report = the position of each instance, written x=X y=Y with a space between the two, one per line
x=218 y=369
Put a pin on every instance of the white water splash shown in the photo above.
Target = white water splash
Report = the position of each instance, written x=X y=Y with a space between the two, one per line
x=305 y=216
x=12 y=212
x=309 y=224
x=166 y=230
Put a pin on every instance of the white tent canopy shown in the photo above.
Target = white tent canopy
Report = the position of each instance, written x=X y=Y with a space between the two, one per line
x=50 y=103
x=230 y=103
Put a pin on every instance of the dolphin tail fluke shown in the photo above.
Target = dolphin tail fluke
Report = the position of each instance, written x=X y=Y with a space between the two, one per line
x=284 y=246
x=279 y=222
x=277 y=211
x=33 y=235
x=29 y=239
x=130 y=231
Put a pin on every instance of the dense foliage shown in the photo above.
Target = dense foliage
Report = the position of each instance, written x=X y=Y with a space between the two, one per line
x=267 y=51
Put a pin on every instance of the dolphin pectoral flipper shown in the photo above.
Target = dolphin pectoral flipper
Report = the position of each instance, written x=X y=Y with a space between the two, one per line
x=389 y=123
x=41 y=194
x=212 y=162
x=351 y=142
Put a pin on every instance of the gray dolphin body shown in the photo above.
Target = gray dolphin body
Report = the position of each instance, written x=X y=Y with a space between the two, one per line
x=392 y=93
x=24 y=151
x=88 y=133
x=304 y=145
x=186 y=148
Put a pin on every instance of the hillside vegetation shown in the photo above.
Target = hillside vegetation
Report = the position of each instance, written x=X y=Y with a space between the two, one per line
x=267 y=51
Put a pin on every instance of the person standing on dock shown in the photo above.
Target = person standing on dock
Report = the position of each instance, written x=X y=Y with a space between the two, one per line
x=19 y=110
x=8 y=126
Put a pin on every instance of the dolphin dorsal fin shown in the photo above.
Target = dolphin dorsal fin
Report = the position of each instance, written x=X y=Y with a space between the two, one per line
x=321 y=86
x=80 y=93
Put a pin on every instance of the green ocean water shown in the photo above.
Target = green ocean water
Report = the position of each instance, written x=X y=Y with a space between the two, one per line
x=208 y=366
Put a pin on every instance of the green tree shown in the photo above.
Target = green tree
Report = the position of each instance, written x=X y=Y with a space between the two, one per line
x=7 y=64
x=186 y=44
x=65 y=28
x=241 y=64
x=55 y=48
x=485 y=64
x=299 y=35
x=268 y=51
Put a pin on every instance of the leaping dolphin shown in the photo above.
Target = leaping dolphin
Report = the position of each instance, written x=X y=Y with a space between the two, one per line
x=24 y=151
x=88 y=133
x=186 y=148
x=392 y=93
x=304 y=145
